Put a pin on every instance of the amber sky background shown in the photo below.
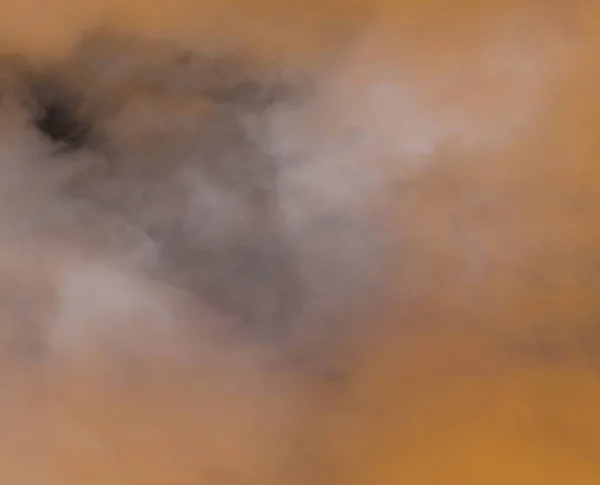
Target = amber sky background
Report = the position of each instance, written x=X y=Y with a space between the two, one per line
x=481 y=364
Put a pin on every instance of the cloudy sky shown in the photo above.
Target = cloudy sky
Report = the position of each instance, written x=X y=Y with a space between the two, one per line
x=413 y=301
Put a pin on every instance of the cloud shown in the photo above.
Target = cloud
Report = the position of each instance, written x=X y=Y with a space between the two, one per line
x=349 y=244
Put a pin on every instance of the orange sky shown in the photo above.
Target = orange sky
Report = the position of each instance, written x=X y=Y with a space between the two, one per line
x=481 y=366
